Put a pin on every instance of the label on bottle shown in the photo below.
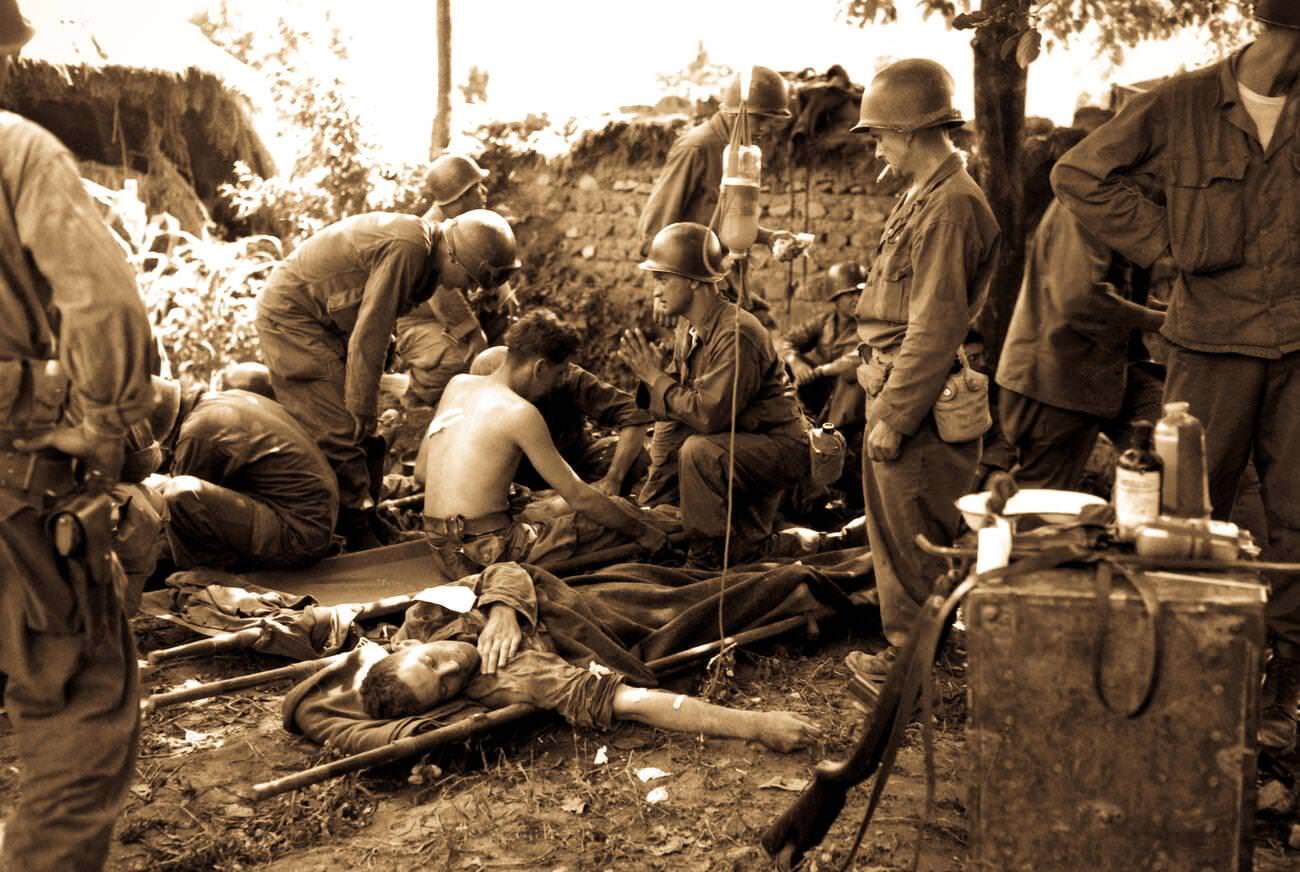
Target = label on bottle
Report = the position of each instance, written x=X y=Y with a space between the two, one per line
x=1137 y=499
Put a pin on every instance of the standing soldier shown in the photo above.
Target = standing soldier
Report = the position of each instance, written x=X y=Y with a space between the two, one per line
x=430 y=348
x=1223 y=146
x=325 y=318
x=930 y=276
x=73 y=327
x=690 y=182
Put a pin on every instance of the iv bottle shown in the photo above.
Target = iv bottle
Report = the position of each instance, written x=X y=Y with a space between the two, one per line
x=827 y=447
x=742 y=168
x=1137 y=483
x=1180 y=442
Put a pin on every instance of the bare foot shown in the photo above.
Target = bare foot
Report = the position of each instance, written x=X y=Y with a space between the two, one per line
x=787 y=731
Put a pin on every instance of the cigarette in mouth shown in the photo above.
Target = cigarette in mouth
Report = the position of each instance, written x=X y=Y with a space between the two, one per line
x=883 y=173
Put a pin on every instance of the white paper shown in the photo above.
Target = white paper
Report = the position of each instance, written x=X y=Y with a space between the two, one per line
x=650 y=773
x=656 y=795
x=455 y=597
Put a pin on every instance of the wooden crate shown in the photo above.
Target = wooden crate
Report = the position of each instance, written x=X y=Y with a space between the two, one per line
x=1058 y=781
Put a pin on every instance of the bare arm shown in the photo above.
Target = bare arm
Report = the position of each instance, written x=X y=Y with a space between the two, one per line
x=534 y=439
x=780 y=731
x=630 y=442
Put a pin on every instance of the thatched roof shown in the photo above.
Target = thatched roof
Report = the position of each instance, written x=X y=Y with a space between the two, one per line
x=153 y=98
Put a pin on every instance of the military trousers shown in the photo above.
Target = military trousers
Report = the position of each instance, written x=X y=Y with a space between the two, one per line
x=913 y=493
x=432 y=355
x=1251 y=404
x=73 y=700
x=308 y=371
x=217 y=527
x=692 y=470
x=1053 y=444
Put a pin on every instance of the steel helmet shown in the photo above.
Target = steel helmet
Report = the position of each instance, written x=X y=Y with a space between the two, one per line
x=248 y=376
x=482 y=244
x=14 y=29
x=1283 y=13
x=688 y=250
x=845 y=277
x=767 y=94
x=909 y=95
x=451 y=175
x=166 y=407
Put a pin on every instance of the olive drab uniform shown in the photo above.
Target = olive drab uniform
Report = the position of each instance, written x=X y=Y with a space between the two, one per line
x=435 y=344
x=1230 y=223
x=324 y=321
x=929 y=279
x=72 y=693
x=249 y=487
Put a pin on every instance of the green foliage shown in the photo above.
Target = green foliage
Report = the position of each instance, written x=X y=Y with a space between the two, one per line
x=1120 y=23
x=337 y=171
x=200 y=291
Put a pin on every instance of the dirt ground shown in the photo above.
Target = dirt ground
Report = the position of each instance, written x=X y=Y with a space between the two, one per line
x=543 y=796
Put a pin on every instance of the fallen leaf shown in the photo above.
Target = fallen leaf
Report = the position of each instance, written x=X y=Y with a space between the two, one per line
x=656 y=795
x=602 y=756
x=671 y=846
x=574 y=805
x=785 y=782
x=650 y=773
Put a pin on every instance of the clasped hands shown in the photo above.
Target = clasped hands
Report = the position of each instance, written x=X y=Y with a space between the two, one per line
x=641 y=356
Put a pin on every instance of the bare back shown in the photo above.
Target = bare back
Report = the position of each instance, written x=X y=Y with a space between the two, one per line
x=470 y=449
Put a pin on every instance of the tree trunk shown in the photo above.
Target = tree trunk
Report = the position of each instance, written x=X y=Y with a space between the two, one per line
x=442 y=118
x=1000 y=126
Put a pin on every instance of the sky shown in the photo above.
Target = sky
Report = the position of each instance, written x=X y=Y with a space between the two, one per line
x=582 y=57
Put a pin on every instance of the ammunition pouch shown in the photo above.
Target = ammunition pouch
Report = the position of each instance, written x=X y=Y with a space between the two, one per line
x=33 y=399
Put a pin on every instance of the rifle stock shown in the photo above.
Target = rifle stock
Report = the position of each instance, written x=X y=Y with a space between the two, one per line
x=806 y=822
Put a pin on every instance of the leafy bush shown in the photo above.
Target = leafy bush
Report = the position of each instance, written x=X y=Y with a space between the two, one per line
x=200 y=291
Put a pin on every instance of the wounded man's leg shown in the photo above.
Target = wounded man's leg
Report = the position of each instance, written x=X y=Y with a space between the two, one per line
x=780 y=731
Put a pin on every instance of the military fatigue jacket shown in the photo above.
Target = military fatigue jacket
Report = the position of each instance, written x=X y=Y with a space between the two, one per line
x=689 y=183
x=824 y=339
x=579 y=397
x=58 y=256
x=1231 y=217
x=252 y=445
x=1069 y=339
x=929 y=279
x=697 y=390
x=353 y=279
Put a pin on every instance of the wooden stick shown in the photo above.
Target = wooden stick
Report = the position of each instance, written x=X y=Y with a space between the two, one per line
x=217 y=644
x=240 y=682
x=411 y=746
x=401 y=502
x=663 y=664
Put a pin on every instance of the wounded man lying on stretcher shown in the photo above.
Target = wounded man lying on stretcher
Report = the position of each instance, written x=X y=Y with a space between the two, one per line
x=448 y=664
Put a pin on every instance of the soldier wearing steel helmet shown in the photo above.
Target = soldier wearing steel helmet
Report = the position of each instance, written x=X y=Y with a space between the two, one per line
x=689 y=184
x=430 y=349
x=929 y=278
x=717 y=364
x=325 y=317
x=1224 y=148
x=72 y=327
x=822 y=352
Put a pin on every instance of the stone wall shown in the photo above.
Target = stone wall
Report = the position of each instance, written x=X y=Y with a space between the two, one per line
x=577 y=224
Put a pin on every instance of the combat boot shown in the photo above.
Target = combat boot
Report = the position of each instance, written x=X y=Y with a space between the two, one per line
x=1279 y=699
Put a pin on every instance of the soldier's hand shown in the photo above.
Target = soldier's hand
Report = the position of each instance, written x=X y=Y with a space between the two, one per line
x=101 y=454
x=640 y=355
x=608 y=487
x=500 y=639
x=884 y=443
x=803 y=373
